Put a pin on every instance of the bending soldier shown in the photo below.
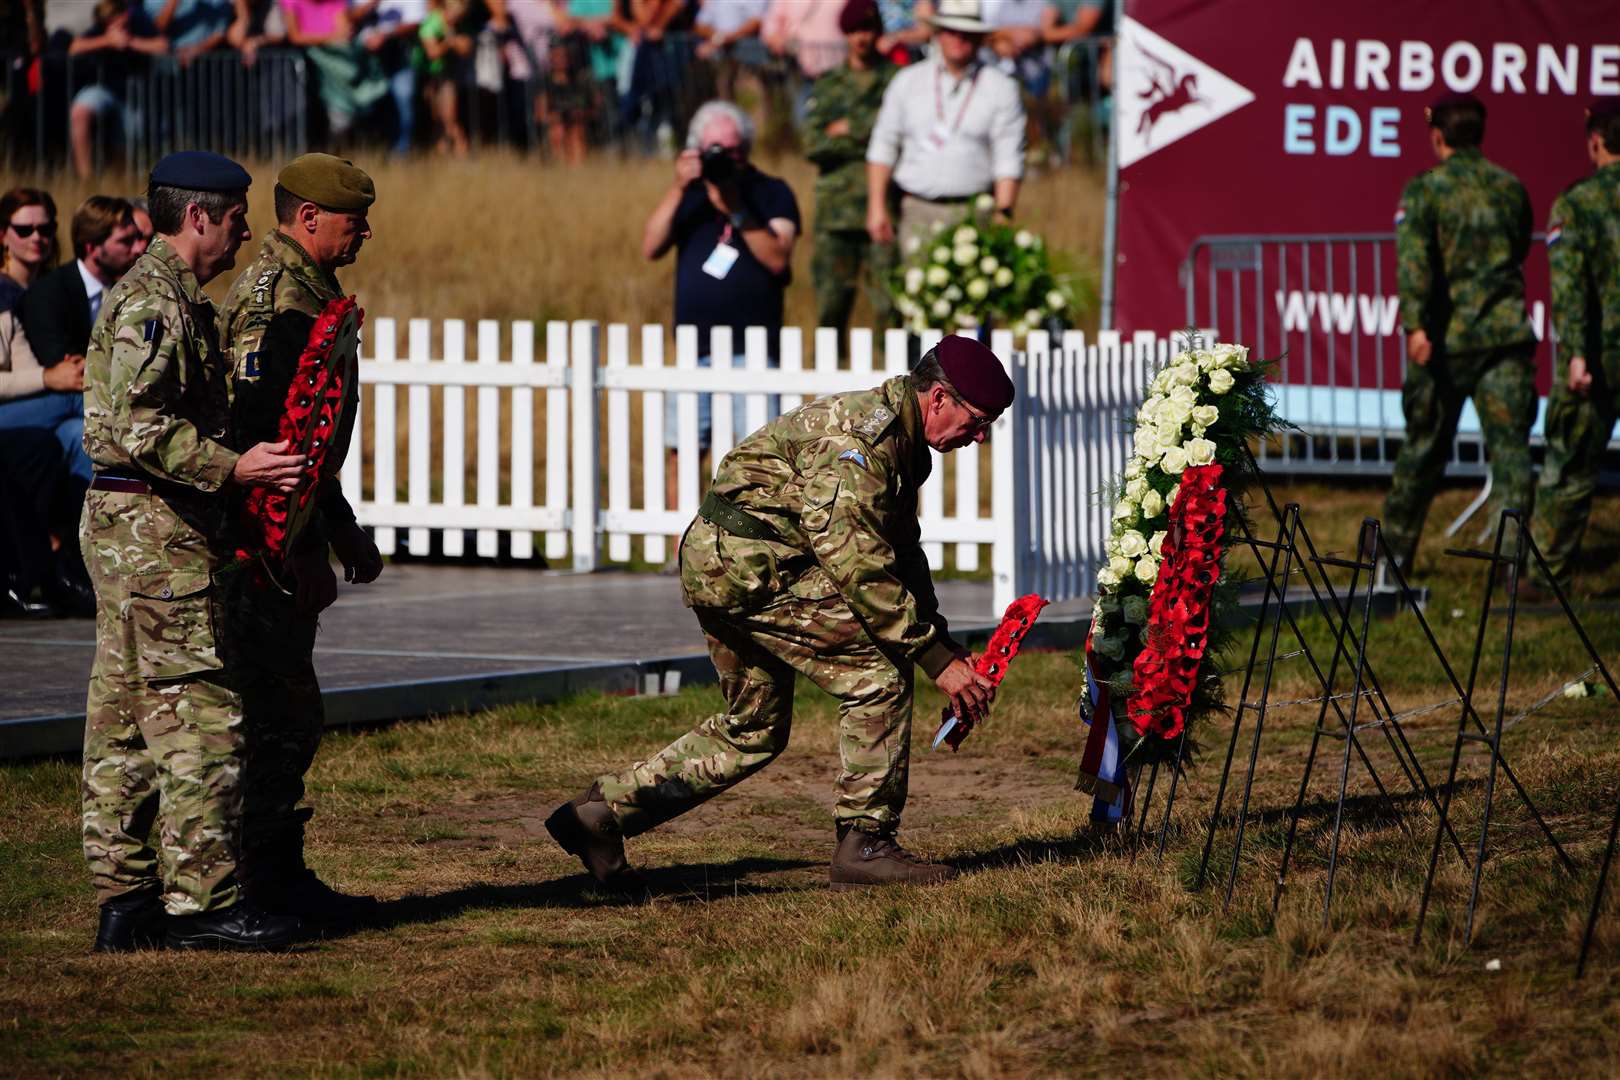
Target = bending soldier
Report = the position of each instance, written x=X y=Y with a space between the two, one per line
x=321 y=204
x=804 y=559
x=1461 y=236
x=1583 y=246
x=163 y=733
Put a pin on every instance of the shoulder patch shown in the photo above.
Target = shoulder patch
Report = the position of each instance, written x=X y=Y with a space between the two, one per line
x=872 y=426
x=853 y=455
x=1555 y=233
x=1400 y=213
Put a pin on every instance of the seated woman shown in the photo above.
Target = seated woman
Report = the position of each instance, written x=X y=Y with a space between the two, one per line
x=28 y=247
x=41 y=494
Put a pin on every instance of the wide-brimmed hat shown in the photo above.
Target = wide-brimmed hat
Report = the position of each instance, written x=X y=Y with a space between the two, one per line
x=964 y=16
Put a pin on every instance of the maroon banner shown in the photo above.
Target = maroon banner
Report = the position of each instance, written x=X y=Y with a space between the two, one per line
x=1270 y=117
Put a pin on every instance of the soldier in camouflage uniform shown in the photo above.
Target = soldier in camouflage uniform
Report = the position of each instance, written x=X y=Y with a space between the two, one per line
x=805 y=559
x=321 y=205
x=1583 y=246
x=163 y=732
x=838 y=123
x=1461 y=236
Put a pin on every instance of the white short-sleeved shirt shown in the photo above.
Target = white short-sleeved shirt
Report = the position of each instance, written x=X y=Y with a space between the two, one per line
x=948 y=137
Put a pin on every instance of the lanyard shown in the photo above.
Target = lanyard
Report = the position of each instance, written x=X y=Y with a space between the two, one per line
x=939 y=99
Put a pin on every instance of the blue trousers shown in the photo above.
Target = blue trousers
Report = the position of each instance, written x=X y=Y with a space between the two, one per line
x=60 y=413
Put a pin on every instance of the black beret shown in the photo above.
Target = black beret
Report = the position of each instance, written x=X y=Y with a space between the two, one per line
x=199 y=170
x=975 y=372
x=1445 y=100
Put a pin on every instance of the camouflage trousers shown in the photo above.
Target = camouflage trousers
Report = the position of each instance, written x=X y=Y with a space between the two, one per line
x=283 y=716
x=1578 y=429
x=1503 y=386
x=836 y=259
x=163 y=740
x=757 y=654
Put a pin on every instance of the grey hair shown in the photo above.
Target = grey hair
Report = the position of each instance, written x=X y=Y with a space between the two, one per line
x=714 y=110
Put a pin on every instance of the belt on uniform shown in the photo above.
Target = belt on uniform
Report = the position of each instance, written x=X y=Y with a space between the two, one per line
x=128 y=483
x=722 y=513
x=943 y=200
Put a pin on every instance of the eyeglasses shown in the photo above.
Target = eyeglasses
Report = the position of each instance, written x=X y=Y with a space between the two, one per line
x=46 y=230
x=980 y=421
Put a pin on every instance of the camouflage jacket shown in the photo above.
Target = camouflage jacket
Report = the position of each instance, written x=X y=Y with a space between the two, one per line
x=1583 y=246
x=837 y=479
x=264 y=325
x=856 y=96
x=1461 y=235
x=156 y=398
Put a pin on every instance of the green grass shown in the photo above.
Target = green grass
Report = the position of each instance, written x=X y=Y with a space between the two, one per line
x=1056 y=953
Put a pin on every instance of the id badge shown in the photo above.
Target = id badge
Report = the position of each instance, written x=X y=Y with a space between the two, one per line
x=720 y=261
x=940 y=136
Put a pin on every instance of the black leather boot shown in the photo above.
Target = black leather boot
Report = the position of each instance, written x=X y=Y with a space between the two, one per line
x=244 y=926
x=132 y=921
x=275 y=878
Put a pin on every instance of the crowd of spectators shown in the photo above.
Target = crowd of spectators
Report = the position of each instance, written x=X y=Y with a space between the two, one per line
x=415 y=73
x=48 y=305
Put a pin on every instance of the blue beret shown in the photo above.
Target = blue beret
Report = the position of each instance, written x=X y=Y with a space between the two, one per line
x=199 y=170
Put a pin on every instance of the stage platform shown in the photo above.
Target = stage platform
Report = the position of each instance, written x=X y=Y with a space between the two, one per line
x=430 y=639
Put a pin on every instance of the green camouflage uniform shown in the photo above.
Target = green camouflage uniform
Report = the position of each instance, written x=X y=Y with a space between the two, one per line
x=1461 y=238
x=163 y=732
x=841 y=244
x=264 y=325
x=845 y=599
x=1583 y=246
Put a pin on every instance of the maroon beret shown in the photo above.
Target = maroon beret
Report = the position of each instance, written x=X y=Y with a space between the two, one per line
x=1603 y=106
x=1445 y=100
x=860 y=15
x=975 y=372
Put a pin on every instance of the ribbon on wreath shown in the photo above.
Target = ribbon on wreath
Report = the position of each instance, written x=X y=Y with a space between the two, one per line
x=1102 y=768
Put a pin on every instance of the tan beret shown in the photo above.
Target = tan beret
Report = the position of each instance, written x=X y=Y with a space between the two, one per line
x=329 y=182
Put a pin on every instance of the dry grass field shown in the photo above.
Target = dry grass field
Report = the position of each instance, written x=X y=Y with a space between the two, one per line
x=503 y=237
x=1056 y=953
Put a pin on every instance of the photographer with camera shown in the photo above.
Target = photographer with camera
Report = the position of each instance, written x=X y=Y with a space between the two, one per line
x=732 y=228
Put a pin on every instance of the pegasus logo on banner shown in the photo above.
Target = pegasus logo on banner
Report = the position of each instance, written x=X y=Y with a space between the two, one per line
x=1159 y=82
x=1169 y=95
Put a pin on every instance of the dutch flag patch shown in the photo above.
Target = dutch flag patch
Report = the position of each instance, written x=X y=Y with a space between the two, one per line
x=1555 y=234
x=1400 y=215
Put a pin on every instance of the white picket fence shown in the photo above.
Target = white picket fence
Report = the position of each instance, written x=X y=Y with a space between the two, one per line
x=1064 y=438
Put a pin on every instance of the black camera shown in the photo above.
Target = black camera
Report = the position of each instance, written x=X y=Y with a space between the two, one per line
x=719 y=163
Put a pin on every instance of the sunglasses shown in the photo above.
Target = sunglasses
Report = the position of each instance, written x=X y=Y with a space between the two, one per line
x=46 y=230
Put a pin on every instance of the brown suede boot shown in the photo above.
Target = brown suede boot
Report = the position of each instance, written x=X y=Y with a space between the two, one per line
x=584 y=826
x=864 y=858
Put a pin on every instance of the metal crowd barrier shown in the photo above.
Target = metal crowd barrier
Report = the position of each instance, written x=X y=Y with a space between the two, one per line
x=264 y=110
x=150 y=106
x=1325 y=308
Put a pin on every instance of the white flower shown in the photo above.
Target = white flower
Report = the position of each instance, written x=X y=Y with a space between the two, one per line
x=913 y=244
x=1023 y=238
x=1120 y=566
x=937 y=227
x=978 y=288
x=965 y=235
x=938 y=276
x=1156 y=542
x=941 y=254
x=1183 y=396
x=1135 y=488
x=989 y=265
x=1200 y=451
x=1019 y=329
x=1147 y=443
x=1174 y=461
x=1135 y=467
x=1170 y=499
x=1033 y=317
x=1125 y=512
x=1220 y=381
x=1205 y=415
x=1132 y=544
x=1004 y=277
x=984 y=203
x=1106 y=578
x=1184 y=374
x=1135 y=609
x=1147 y=568
x=941 y=308
x=1055 y=300
x=914 y=280
x=967 y=320
x=1577 y=690
x=965 y=254
x=1152 y=504
x=953 y=293
x=1226 y=355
